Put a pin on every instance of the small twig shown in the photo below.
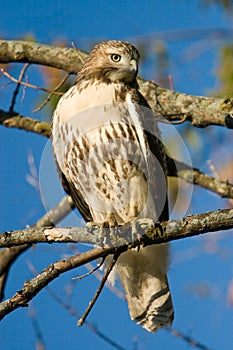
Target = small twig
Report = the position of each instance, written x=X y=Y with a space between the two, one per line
x=21 y=76
x=99 y=275
x=73 y=312
x=187 y=339
x=2 y=70
x=97 y=293
x=40 y=344
x=91 y=271
x=78 y=53
x=89 y=325
x=51 y=94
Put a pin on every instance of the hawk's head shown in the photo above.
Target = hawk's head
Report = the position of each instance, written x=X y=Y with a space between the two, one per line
x=111 y=61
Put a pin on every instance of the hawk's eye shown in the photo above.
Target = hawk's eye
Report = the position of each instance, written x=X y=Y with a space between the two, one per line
x=115 y=58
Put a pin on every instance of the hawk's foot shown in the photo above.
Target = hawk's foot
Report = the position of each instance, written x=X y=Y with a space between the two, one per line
x=137 y=226
x=107 y=230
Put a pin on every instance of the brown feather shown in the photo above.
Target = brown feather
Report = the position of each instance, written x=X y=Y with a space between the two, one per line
x=110 y=154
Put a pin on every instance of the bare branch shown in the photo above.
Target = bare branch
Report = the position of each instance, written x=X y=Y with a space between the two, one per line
x=55 y=215
x=189 y=340
x=35 y=285
x=7 y=258
x=200 y=111
x=21 y=76
x=29 y=52
x=15 y=120
x=97 y=293
x=18 y=81
x=197 y=177
x=9 y=255
x=51 y=93
x=164 y=232
x=189 y=226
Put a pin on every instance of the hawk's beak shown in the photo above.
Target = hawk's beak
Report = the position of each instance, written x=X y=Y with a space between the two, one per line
x=134 y=65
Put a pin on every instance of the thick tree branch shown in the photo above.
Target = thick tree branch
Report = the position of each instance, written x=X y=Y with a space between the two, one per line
x=29 y=52
x=200 y=111
x=7 y=258
x=150 y=234
x=35 y=285
x=167 y=231
x=197 y=177
x=15 y=120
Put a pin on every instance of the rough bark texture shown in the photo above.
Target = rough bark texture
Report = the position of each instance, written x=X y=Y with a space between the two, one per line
x=15 y=120
x=197 y=177
x=200 y=111
x=35 y=285
x=153 y=234
x=30 y=52
x=150 y=233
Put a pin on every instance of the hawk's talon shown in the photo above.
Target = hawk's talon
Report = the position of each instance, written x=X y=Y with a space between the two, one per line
x=132 y=234
x=137 y=229
x=107 y=231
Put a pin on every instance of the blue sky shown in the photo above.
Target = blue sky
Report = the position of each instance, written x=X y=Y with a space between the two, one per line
x=105 y=19
x=208 y=319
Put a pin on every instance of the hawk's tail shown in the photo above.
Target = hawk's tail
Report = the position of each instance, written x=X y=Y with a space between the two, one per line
x=143 y=277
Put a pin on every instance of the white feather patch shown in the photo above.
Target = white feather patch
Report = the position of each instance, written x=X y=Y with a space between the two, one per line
x=137 y=123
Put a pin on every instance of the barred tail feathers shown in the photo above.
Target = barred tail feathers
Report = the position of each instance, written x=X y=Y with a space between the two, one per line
x=144 y=280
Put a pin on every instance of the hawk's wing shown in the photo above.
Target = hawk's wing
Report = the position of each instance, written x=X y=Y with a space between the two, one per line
x=153 y=138
x=75 y=194
x=143 y=274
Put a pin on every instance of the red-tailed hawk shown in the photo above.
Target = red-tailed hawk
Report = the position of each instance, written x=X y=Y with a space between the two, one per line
x=112 y=162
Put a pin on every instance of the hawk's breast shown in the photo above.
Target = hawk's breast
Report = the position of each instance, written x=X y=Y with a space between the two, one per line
x=99 y=149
